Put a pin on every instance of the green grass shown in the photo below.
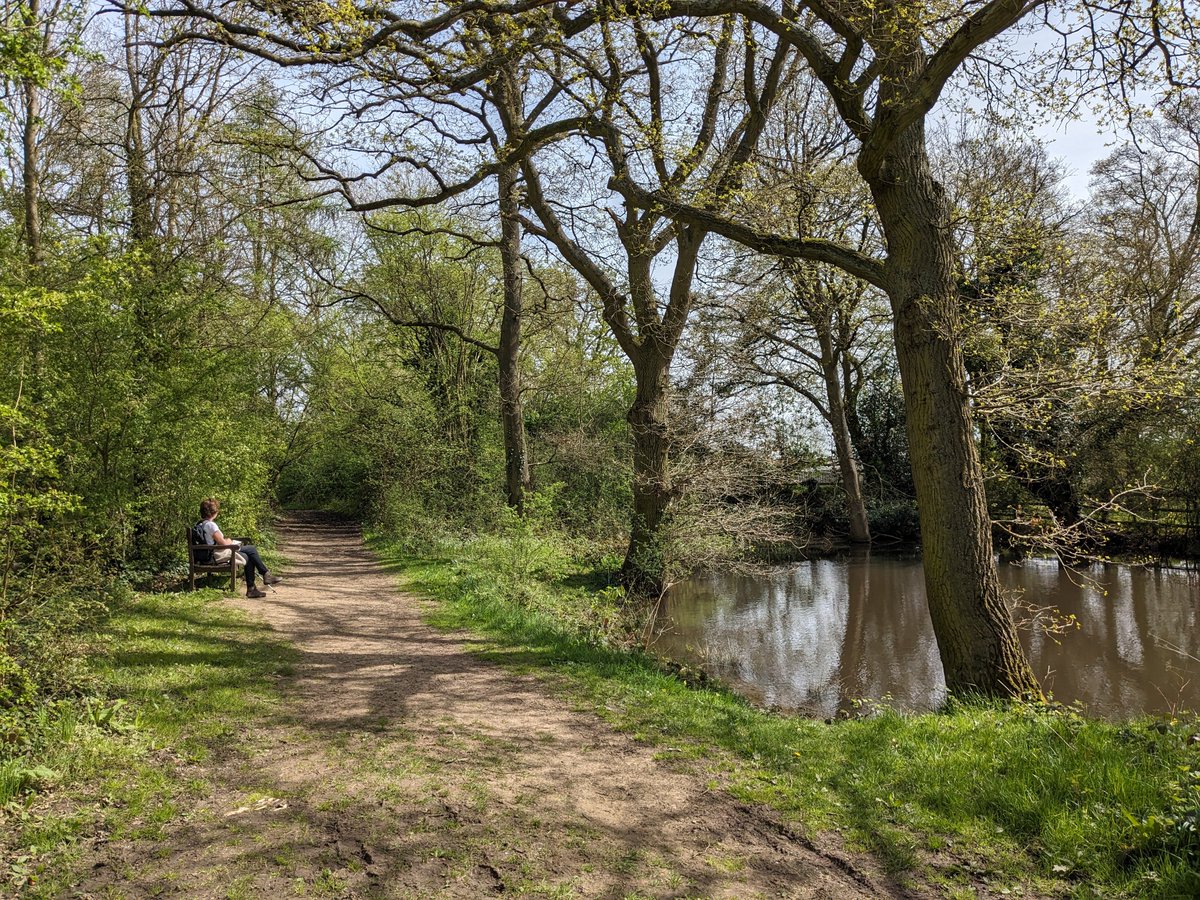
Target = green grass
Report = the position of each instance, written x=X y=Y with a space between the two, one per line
x=1016 y=797
x=176 y=676
x=1019 y=796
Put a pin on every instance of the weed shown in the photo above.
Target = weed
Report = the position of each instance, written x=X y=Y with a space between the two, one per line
x=726 y=863
x=628 y=862
x=241 y=888
x=327 y=884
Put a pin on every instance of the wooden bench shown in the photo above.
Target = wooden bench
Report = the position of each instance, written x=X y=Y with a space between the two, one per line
x=209 y=551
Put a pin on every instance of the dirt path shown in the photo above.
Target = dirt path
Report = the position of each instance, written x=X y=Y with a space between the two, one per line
x=404 y=766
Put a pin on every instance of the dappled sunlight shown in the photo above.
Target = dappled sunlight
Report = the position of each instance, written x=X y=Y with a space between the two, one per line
x=401 y=758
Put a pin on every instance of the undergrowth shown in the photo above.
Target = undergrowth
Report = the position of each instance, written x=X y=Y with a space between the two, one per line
x=1017 y=796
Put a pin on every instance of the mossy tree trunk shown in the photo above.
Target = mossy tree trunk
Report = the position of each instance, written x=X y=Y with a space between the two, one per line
x=976 y=638
x=31 y=156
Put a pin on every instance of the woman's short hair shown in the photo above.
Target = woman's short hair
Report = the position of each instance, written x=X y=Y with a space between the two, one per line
x=209 y=507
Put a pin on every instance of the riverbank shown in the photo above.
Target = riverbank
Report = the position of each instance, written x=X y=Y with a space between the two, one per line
x=523 y=748
x=377 y=756
x=979 y=797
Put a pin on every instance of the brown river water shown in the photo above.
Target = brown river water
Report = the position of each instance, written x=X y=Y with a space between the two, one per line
x=817 y=636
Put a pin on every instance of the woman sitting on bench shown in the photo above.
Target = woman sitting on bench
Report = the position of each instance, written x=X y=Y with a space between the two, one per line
x=212 y=535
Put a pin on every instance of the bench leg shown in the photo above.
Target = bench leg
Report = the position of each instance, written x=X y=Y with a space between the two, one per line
x=191 y=578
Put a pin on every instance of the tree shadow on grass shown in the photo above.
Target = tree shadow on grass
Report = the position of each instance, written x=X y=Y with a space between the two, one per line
x=590 y=580
x=162 y=647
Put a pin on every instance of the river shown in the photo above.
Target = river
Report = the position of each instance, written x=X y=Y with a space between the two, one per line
x=817 y=636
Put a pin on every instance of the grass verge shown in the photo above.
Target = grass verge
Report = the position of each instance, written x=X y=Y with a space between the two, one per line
x=175 y=678
x=1016 y=798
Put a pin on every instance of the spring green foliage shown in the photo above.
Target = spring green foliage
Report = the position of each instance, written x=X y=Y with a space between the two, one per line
x=402 y=421
x=257 y=350
x=136 y=379
x=1024 y=796
x=1082 y=329
x=150 y=418
x=28 y=461
x=118 y=418
x=38 y=52
x=134 y=382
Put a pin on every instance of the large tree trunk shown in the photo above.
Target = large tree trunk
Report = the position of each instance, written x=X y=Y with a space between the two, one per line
x=860 y=530
x=975 y=633
x=642 y=573
x=512 y=414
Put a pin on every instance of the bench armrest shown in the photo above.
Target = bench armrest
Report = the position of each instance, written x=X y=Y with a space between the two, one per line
x=210 y=548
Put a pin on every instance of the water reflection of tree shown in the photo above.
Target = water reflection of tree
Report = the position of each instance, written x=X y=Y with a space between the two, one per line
x=805 y=618
x=817 y=635
x=858 y=581
x=897 y=634
x=827 y=632
x=1117 y=663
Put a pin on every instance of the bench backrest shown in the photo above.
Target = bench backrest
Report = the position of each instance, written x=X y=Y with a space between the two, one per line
x=199 y=550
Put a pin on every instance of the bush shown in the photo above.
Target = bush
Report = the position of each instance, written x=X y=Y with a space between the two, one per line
x=897 y=519
x=523 y=550
x=16 y=687
x=44 y=639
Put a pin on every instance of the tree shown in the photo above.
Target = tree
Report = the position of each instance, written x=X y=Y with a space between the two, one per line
x=601 y=86
x=159 y=340
x=446 y=291
x=619 y=90
x=1147 y=221
x=42 y=39
x=884 y=69
x=1030 y=319
x=1060 y=376
x=802 y=332
x=798 y=325
x=390 y=82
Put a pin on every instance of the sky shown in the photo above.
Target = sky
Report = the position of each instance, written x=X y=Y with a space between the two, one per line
x=1079 y=144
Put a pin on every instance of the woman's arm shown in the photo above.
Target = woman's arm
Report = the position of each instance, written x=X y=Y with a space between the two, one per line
x=222 y=541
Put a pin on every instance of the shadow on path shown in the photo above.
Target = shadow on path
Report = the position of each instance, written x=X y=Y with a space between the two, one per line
x=402 y=765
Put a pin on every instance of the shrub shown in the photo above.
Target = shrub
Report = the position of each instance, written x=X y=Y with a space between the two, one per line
x=895 y=519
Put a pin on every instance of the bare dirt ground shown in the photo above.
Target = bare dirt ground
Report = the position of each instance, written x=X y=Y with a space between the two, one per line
x=401 y=765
